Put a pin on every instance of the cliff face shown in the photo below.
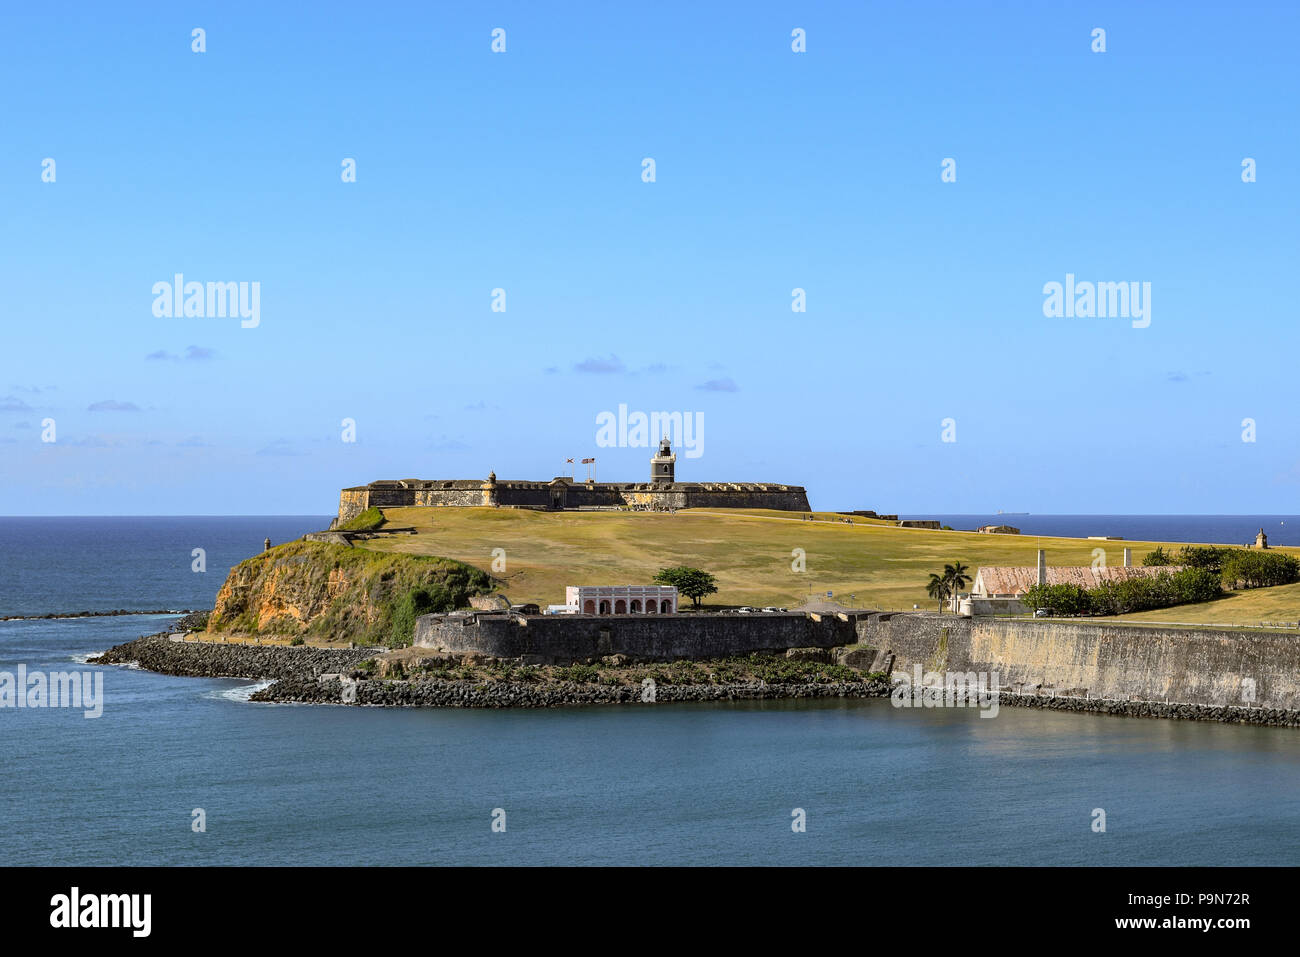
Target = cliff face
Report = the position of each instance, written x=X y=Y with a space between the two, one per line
x=339 y=593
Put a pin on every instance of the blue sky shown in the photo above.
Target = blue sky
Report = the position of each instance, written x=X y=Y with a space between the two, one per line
x=774 y=170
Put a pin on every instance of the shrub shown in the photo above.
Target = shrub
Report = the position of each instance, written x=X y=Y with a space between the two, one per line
x=1061 y=599
x=1259 y=569
x=1205 y=556
x=581 y=673
x=422 y=600
x=1186 y=586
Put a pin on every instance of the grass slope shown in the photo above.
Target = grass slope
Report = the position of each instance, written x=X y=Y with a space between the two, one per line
x=1250 y=607
x=748 y=550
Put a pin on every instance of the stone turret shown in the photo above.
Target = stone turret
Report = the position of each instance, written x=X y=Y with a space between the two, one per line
x=663 y=465
x=1261 y=540
x=490 y=490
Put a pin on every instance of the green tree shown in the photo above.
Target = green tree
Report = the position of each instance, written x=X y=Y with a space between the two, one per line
x=694 y=583
x=957 y=579
x=937 y=589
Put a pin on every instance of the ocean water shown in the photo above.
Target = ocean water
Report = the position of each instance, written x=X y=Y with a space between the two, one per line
x=653 y=784
x=71 y=564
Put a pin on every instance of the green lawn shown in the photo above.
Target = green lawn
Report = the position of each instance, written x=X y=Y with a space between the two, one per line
x=748 y=550
x=1250 y=607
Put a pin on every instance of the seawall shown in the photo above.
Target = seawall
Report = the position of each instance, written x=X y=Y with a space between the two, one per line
x=209 y=659
x=1120 y=663
x=561 y=639
x=503 y=694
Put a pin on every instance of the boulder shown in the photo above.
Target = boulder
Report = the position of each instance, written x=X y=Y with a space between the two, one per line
x=809 y=654
x=858 y=657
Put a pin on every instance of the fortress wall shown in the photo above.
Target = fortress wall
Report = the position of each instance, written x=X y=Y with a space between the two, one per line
x=789 y=500
x=1186 y=666
x=440 y=496
x=589 y=495
x=564 y=639
x=538 y=495
x=352 y=503
x=664 y=499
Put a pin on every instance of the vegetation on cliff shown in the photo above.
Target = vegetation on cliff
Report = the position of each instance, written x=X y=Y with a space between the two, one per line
x=330 y=592
x=367 y=521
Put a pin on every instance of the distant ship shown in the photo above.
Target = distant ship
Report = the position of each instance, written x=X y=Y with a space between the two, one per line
x=1000 y=512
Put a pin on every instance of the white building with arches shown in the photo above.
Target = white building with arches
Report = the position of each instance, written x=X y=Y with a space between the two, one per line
x=620 y=600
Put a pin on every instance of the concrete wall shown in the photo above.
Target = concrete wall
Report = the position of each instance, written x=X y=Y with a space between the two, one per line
x=1123 y=662
x=569 y=638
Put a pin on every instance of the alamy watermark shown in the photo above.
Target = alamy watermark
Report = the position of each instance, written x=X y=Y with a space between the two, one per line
x=54 y=689
x=214 y=300
x=954 y=689
x=641 y=430
x=1098 y=300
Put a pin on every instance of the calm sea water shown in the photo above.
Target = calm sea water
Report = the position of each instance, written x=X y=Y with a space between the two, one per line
x=72 y=564
x=661 y=784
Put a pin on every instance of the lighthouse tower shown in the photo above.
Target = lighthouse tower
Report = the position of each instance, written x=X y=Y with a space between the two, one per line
x=663 y=464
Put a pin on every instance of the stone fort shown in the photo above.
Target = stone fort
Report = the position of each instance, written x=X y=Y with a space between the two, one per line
x=663 y=491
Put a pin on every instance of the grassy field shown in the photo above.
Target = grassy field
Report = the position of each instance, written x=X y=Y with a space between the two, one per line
x=1280 y=604
x=868 y=563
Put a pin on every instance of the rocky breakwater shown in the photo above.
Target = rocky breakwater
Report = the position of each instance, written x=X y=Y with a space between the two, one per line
x=434 y=693
x=360 y=676
x=1224 y=714
x=209 y=659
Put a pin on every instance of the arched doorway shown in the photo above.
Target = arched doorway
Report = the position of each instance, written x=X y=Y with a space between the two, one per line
x=666 y=606
x=636 y=606
x=589 y=608
x=650 y=606
x=604 y=606
x=620 y=607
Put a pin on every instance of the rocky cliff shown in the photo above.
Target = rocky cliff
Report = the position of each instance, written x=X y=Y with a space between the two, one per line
x=339 y=593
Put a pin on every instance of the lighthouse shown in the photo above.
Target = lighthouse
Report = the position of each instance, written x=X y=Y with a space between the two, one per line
x=663 y=464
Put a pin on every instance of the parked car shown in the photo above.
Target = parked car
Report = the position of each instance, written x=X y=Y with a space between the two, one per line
x=1042 y=613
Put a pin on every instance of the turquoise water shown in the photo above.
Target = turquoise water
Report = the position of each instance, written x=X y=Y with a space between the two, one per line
x=657 y=784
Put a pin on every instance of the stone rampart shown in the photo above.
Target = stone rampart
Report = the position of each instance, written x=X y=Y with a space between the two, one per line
x=567 y=494
x=563 y=639
x=1210 y=668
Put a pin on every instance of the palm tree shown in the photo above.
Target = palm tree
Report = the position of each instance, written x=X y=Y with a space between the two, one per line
x=956 y=578
x=937 y=589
